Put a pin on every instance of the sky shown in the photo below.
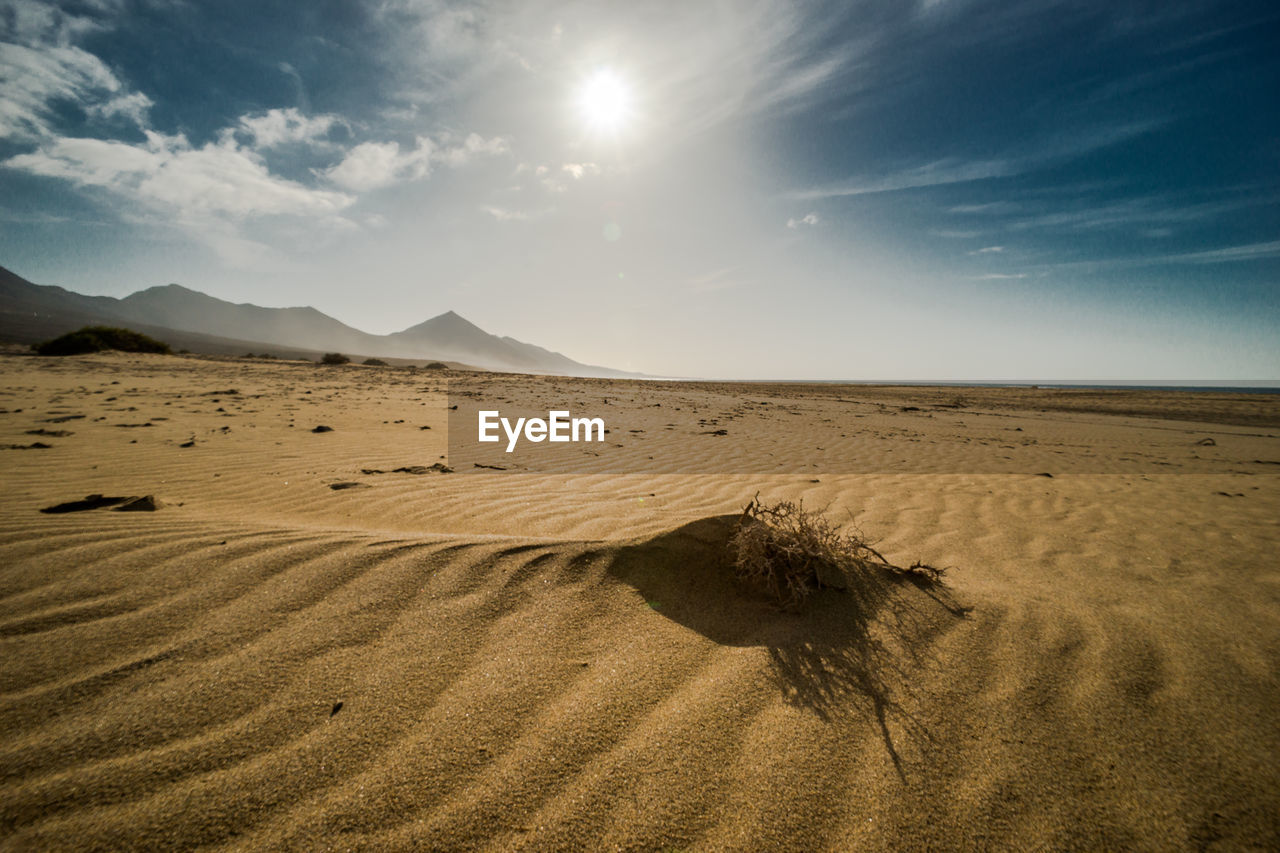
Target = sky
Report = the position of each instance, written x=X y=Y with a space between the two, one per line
x=948 y=189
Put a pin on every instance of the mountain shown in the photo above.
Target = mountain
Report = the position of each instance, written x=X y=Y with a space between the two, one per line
x=175 y=307
x=33 y=312
x=460 y=339
x=27 y=306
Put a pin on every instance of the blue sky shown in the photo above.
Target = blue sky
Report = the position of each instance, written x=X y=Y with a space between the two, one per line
x=947 y=189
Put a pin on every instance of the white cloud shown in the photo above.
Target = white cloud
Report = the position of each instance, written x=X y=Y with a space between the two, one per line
x=282 y=126
x=473 y=146
x=37 y=22
x=33 y=80
x=998 y=276
x=167 y=174
x=503 y=214
x=808 y=220
x=989 y=250
x=579 y=170
x=40 y=66
x=372 y=165
x=555 y=180
x=133 y=106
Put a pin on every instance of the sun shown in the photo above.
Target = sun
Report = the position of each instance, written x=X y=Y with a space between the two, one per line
x=605 y=102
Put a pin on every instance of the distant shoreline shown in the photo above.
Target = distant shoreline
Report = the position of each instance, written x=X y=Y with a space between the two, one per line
x=988 y=383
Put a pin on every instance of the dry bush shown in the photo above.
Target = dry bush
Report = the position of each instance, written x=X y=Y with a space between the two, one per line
x=100 y=338
x=791 y=552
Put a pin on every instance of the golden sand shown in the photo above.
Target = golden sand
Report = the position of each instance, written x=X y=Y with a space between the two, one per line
x=558 y=660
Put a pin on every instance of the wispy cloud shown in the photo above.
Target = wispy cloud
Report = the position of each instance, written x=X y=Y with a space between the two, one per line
x=1143 y=211
x=133 y=106
x=1252 y=251
x=990 y=207
x=806 y=221
x=506 y=214
x=718 y=279
x=958 y=170
x=694 y=66
x=987 y=250
x=42 y=67
x=32 y=81
x=1225 y=255
x=950 y=170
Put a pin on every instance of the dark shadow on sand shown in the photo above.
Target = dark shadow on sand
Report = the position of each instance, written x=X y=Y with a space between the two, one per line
x=847 y=654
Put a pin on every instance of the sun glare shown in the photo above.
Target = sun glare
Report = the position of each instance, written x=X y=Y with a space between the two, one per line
x=605 y=102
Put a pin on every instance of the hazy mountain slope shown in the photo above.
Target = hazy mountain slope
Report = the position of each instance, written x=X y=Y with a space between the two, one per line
x=177 y=307
x=30 y=312
x=456 y=337
x=547 y=357
x=202 y=323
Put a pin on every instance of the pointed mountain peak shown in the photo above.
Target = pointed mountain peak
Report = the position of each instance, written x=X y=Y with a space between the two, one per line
x=171 y=289
x=451 y=317
x=448 y=322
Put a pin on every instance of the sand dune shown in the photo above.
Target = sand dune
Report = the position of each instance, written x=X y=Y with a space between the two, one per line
x=557 y=660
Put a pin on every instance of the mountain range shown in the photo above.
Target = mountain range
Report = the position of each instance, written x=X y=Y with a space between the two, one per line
x=198 y=322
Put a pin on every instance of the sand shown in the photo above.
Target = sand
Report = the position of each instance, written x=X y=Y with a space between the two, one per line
x=558 y=658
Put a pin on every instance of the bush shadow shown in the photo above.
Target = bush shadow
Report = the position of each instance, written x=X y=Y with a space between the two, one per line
x=847 y=654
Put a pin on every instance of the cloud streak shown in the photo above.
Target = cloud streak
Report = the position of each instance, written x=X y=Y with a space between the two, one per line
x=958 y=170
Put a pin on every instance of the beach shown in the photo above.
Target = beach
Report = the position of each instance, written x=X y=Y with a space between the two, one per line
x=360 y=638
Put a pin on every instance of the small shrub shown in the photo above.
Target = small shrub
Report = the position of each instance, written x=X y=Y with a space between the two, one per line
x=791 y=552
x=437 y=365
x=375 y=362
x=100 y=338
x=334 y=358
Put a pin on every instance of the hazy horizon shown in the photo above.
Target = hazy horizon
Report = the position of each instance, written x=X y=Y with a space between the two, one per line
x=937 y=191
